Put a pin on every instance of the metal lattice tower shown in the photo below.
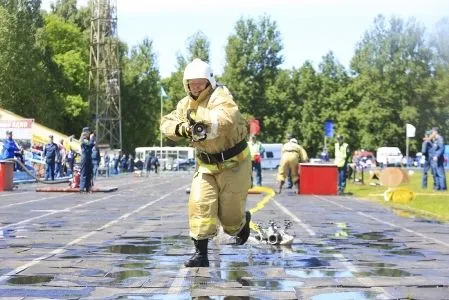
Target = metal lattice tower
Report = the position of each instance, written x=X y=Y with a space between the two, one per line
x=104 y=74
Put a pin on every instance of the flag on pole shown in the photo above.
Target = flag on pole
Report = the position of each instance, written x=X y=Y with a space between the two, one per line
x=410 y=130
x=163 y=93
x=329 y=128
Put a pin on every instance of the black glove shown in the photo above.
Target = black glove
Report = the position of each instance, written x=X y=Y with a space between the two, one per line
x=183 y=129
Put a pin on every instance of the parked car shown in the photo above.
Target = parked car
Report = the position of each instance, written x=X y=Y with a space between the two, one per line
x=389 y=156
x=183 y=164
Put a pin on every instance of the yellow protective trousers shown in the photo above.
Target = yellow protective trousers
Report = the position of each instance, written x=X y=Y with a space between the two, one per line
x=219 y=199
x=289 y=162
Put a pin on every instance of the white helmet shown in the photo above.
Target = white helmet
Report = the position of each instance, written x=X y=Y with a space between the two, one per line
x=293 y=140
x=198 y=69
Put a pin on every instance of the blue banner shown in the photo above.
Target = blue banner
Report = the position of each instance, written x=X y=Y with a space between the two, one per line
x=329 y=128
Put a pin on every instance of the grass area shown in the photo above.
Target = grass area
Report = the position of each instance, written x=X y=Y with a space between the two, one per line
x=428 y=203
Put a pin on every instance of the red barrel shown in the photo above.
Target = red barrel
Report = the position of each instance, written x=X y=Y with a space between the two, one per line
x=6 y=175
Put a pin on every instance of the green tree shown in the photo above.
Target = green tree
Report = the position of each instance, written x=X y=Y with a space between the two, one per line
x=67 y=50
x=393 y=70
x=252 y=65
x=140 y=97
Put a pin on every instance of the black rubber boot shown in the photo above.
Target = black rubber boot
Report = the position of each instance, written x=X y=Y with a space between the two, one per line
x=243 y=235
x=199 y=259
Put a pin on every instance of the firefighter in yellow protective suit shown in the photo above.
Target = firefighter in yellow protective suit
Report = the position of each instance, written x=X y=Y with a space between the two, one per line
x=210 y=119
x=292 y=154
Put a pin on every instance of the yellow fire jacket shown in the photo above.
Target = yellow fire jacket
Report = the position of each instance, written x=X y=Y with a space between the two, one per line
x=226 y=127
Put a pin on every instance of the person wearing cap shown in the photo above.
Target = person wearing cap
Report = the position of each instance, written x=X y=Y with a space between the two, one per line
x=211 y=121
x=11 y=149
x=342 y=154
x=50 y=151
x=257 y=151
x=437 y=160
x=292 y=154
x=87 y=141
x=426 y=149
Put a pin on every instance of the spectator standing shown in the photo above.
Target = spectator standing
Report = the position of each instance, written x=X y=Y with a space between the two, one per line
x=131 y=164
x=96 y=158
x=10 y=147
x=50 y=152
x=60 y=160
x=341 y=160
x=87 y=143
x=438 y=160
x=107 y=161
x=148 y=162
x=155 y=163
x=426 y=149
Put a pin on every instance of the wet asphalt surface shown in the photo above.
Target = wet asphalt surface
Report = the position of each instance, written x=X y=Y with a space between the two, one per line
x=131 y=244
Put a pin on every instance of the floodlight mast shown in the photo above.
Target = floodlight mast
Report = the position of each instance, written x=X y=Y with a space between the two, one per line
x=104 y=75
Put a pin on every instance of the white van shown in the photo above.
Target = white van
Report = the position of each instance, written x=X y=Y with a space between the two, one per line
x=271 y=159
x=387 y=156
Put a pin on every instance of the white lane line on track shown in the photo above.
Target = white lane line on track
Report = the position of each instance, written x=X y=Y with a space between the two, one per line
x=13 y=194
x=340 y=257
x=31 y=201
x=387 y=223
x=68 y=209
x=72 y=193
x=295 y=218
x=57 y=211
x=83 y=237
x=176 y=286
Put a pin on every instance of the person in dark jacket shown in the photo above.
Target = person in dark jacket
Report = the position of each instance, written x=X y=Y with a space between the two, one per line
x=426 y=152
x=96 y=158
x=87 y=143
x=131 y=164
x=437 y=160
x=50 y=152
x=11 y=149
x=155 y=163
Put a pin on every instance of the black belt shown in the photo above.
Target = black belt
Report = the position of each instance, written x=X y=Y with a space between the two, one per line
x=215 y=158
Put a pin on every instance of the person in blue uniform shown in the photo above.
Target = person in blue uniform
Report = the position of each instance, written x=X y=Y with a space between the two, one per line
x=11 y=149
x=87 y=141
x=50 y=151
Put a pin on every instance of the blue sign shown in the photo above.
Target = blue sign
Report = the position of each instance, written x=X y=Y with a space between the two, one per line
x=329 y=128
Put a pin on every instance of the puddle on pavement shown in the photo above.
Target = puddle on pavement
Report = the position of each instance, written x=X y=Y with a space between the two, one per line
x=272 y=284
x=8 y=233
x=123 y=275
x=317 y=273
x=134 y=249
x=385 y=272
x=180 y=296
x=376 y=264
x=29 y=279
x=70 y=256
x=372 y=236
x=92 y=273
x=133 y=265
x=366 y=295
x=380 y=246
x=408 y=251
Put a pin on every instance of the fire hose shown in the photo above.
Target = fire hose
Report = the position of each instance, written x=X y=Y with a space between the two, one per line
x=25 y=169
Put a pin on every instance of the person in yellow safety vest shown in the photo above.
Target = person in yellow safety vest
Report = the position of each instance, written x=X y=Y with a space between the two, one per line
x=342 y=154
x=210 y=119
x=257 y=150
x=292 y=154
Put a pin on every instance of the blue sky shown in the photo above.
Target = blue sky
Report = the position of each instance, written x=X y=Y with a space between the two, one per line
x=309 y=28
